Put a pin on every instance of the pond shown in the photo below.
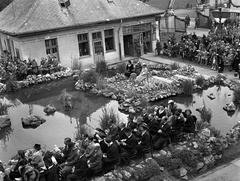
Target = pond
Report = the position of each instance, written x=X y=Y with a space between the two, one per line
x=87 y=109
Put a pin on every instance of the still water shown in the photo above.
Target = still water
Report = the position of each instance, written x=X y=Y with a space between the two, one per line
x=88 y=109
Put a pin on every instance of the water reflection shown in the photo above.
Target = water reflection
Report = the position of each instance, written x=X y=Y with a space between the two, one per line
x=4 y=137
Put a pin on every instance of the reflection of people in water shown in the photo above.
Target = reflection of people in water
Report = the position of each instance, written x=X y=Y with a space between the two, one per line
x=143 y=73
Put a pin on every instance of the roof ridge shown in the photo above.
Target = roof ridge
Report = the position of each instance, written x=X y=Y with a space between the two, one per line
x=32 y=7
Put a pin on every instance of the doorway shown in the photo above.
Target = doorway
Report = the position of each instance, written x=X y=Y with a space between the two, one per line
x=97 y=47
x=128 y=45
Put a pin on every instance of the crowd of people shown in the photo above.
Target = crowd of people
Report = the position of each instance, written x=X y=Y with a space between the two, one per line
x=217 y=50
x=21 y=68
x=101 y=151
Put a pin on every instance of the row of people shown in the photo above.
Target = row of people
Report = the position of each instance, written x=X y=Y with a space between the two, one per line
x=22 y=68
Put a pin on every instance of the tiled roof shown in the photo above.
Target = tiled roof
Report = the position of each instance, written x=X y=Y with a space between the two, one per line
x=26 y=16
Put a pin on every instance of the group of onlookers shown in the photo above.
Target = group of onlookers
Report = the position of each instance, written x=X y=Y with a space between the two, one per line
x=21 y=68
x=102 y=151
x=217 y=50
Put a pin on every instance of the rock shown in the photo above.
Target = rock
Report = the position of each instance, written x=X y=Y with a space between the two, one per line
x=183 y=171
x=4 y=121
x=126 y=174
x=49 y=109
x=114 y=97
x=200 y=165
x=32 y=121
x=195 y=145
x=163 y=152
x=209 y=160
x=161 y=169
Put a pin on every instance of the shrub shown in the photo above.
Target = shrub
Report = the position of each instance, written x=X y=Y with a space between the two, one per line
x=200 y=125
x=143 y=101
x=89 y=76
x=101 y=66
x=219 y=79
x=11 y=84
x=156 y=178
x=187 y=87
x=187 y=157
x=76 y=64
x=214 y=131
x=101 y=83
x=169 y=163
x=106 y=115
x=174 y=66
x=200 y=81
x=5 y=104
x=236 y=94
x=121 y=68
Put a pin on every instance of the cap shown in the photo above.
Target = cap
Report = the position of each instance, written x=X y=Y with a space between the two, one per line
x=37 y=146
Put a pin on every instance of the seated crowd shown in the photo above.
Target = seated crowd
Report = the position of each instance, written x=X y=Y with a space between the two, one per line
x=102 y=151
x=21 y=68
x=215 y=49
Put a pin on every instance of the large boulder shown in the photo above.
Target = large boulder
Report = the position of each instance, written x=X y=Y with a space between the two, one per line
x=49 y=109
x=4 y=121
x=32 y=121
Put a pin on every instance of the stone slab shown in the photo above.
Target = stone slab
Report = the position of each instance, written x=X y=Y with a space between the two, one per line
x=183 y=77
x=162 y=79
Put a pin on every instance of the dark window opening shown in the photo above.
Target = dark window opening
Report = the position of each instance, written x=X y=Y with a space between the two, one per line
x=83 y=44
x=109 y=39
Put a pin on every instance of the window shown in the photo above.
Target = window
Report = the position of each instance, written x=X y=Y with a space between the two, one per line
x=83 y=44
x=109 y=39
x=97 y=36
x=51 y=46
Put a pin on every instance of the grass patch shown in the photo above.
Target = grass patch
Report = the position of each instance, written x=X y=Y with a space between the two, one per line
x=101 y=66
x=187 y=87
x=89 y=76
x=121 y=68
x=106 y=116
x=174 y=66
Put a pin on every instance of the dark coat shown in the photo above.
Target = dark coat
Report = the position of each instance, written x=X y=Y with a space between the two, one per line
x=122 y=134
x=177 y=124
x=52 y=174
x=67 y=150
x=112 y=153
x=189 y=125
x=131 y=144
x=145 y=140
x=153 y=126
x=80 y=166
x=113 y=132
x=166 y=129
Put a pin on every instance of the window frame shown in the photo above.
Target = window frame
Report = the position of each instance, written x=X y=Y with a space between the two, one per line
x=51 y=48
x=108 y=36
x=81 y=41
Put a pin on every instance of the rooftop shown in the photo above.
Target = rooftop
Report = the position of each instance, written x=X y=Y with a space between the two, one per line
x=30 y=16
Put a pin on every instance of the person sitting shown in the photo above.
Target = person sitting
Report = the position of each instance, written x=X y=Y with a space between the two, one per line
x=152 y=125
x=145 y=142
x=51 y=174
x=189 y=124
x=66 y=151
x=128 y=146
x=177 y=125
x=22 y=161
x=112 y=156
x=95 y=160
x=37 y=158
x=163 y=134
x=29 y=173
x=113 y=130
x=122 y=133
x=129 y=68
x=79 y=171
x=171 y=107
x=137 y=68
x=161 y=111
x=143 y=73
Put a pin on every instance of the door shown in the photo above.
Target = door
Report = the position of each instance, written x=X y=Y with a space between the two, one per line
x=98 y=47
x=128 y=45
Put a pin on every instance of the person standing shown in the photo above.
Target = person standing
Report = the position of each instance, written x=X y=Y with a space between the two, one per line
x=158 y=47
x=197 y=21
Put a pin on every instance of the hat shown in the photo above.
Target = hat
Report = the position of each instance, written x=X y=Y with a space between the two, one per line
x=144 y=64
x=37 y=146
x=189 y=110
x=108 y=139
x=170 y=101
x=144 y=125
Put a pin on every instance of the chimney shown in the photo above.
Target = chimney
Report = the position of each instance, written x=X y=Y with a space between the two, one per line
x=64 y=3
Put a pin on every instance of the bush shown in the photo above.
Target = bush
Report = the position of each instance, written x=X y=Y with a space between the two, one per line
x=89 y=76
x=66 y=99
x=106 y=116
x=214 y=132
x=206 y=114
x=200 y=81
x=156 y=178
x=219 y=79
x=169 y=163
x=236 y=94
x=101 y=83
x=101 y=66
x=174 y=66
x=200 y=125
x=187 y=157
x=187 y=87
x=121 y=68
x=11 y=84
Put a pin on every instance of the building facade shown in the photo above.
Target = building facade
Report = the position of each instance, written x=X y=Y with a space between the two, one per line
x=109 y=38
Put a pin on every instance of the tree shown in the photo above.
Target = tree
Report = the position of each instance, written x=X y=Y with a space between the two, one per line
x=4 y=3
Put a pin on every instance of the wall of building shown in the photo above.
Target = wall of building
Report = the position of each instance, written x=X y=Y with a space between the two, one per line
x=68 y=49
